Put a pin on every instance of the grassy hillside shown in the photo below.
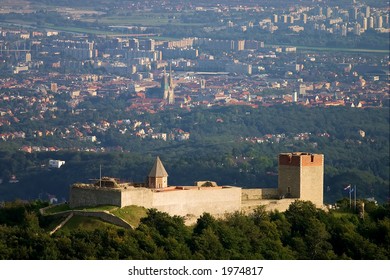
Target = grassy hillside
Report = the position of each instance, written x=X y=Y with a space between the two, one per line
x=131 y=214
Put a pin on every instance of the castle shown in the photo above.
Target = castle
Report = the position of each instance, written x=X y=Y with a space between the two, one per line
x=301 y=176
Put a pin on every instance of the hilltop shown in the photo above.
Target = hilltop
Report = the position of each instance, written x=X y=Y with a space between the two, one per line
x=301 y=232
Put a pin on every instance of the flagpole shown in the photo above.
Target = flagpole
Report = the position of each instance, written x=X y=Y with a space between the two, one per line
x=100 y=176
x=354 y=192
x=350 y=201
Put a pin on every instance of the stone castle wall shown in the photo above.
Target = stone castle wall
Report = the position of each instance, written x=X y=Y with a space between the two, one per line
x=194 y=201
x=137 y=196
x=270 y=204
x=255 y=194
x=81 y=196
x=197 y=201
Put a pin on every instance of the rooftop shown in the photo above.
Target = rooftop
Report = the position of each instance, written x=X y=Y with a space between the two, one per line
x=158 y=169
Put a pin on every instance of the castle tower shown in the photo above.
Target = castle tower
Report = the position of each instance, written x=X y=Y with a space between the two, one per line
x=158 y=176
x=301 y=176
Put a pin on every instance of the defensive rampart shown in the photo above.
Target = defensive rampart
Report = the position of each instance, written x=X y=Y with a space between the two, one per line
x=253 y=194
x=175 y=201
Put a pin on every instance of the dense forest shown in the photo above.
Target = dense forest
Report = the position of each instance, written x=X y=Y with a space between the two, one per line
x=301 y=232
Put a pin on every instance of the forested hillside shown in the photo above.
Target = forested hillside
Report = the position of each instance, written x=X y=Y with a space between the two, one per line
x=302 y=232
x=230 y=145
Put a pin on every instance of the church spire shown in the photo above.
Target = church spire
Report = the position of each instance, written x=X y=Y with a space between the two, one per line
x=171 y=93
x=165 y=85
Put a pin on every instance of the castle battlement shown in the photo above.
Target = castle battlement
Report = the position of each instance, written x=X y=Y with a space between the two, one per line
x=301 y=159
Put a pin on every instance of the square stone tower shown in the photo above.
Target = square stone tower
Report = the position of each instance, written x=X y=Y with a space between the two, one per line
x=301 y=176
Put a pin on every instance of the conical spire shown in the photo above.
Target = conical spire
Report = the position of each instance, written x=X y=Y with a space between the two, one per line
x=158 y=169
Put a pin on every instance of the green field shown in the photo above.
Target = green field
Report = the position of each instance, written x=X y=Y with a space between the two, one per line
x=330 y=49
x=57 y=209
x=131 y=214
x=85 y=223
x=65 y=207
x=144 y=19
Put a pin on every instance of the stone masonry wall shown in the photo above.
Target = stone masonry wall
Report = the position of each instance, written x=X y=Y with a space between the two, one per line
x=92 y=196
x=289 y=181
x=137 y=196
x=312 y=178
x=196 y=202
x=254 y=194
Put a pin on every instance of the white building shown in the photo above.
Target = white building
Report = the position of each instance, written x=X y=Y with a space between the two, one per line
x=53 y=163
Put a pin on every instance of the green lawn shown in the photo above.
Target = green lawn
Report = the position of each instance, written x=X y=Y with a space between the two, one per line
x=330 y=49
x=131 y=214
x=85 y=223
x=77 y=29
x=65 y=207
x=108 y=208
x=144 y=19
x=57 y=208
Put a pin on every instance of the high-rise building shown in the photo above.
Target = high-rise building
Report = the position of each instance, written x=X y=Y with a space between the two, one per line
x=28 y=57
x=240 y=45
x=304 y=18
x=134 y=44
x=353 y=14
x=371 y=22
x=380 y=22
x=367 y=12
x=320 y=11
x=302 y=89
x=295 y=97
x=357 y=29
x=150 y=44
x=328 y=12
x=202 y=83
x=301 y=175
x=364 y=24
x=344 y=30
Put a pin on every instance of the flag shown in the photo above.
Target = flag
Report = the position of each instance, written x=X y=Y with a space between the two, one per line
x=351 y=190
x=347 y=187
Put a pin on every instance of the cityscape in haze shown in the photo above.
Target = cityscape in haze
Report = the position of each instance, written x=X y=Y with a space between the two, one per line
x=217 y=90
